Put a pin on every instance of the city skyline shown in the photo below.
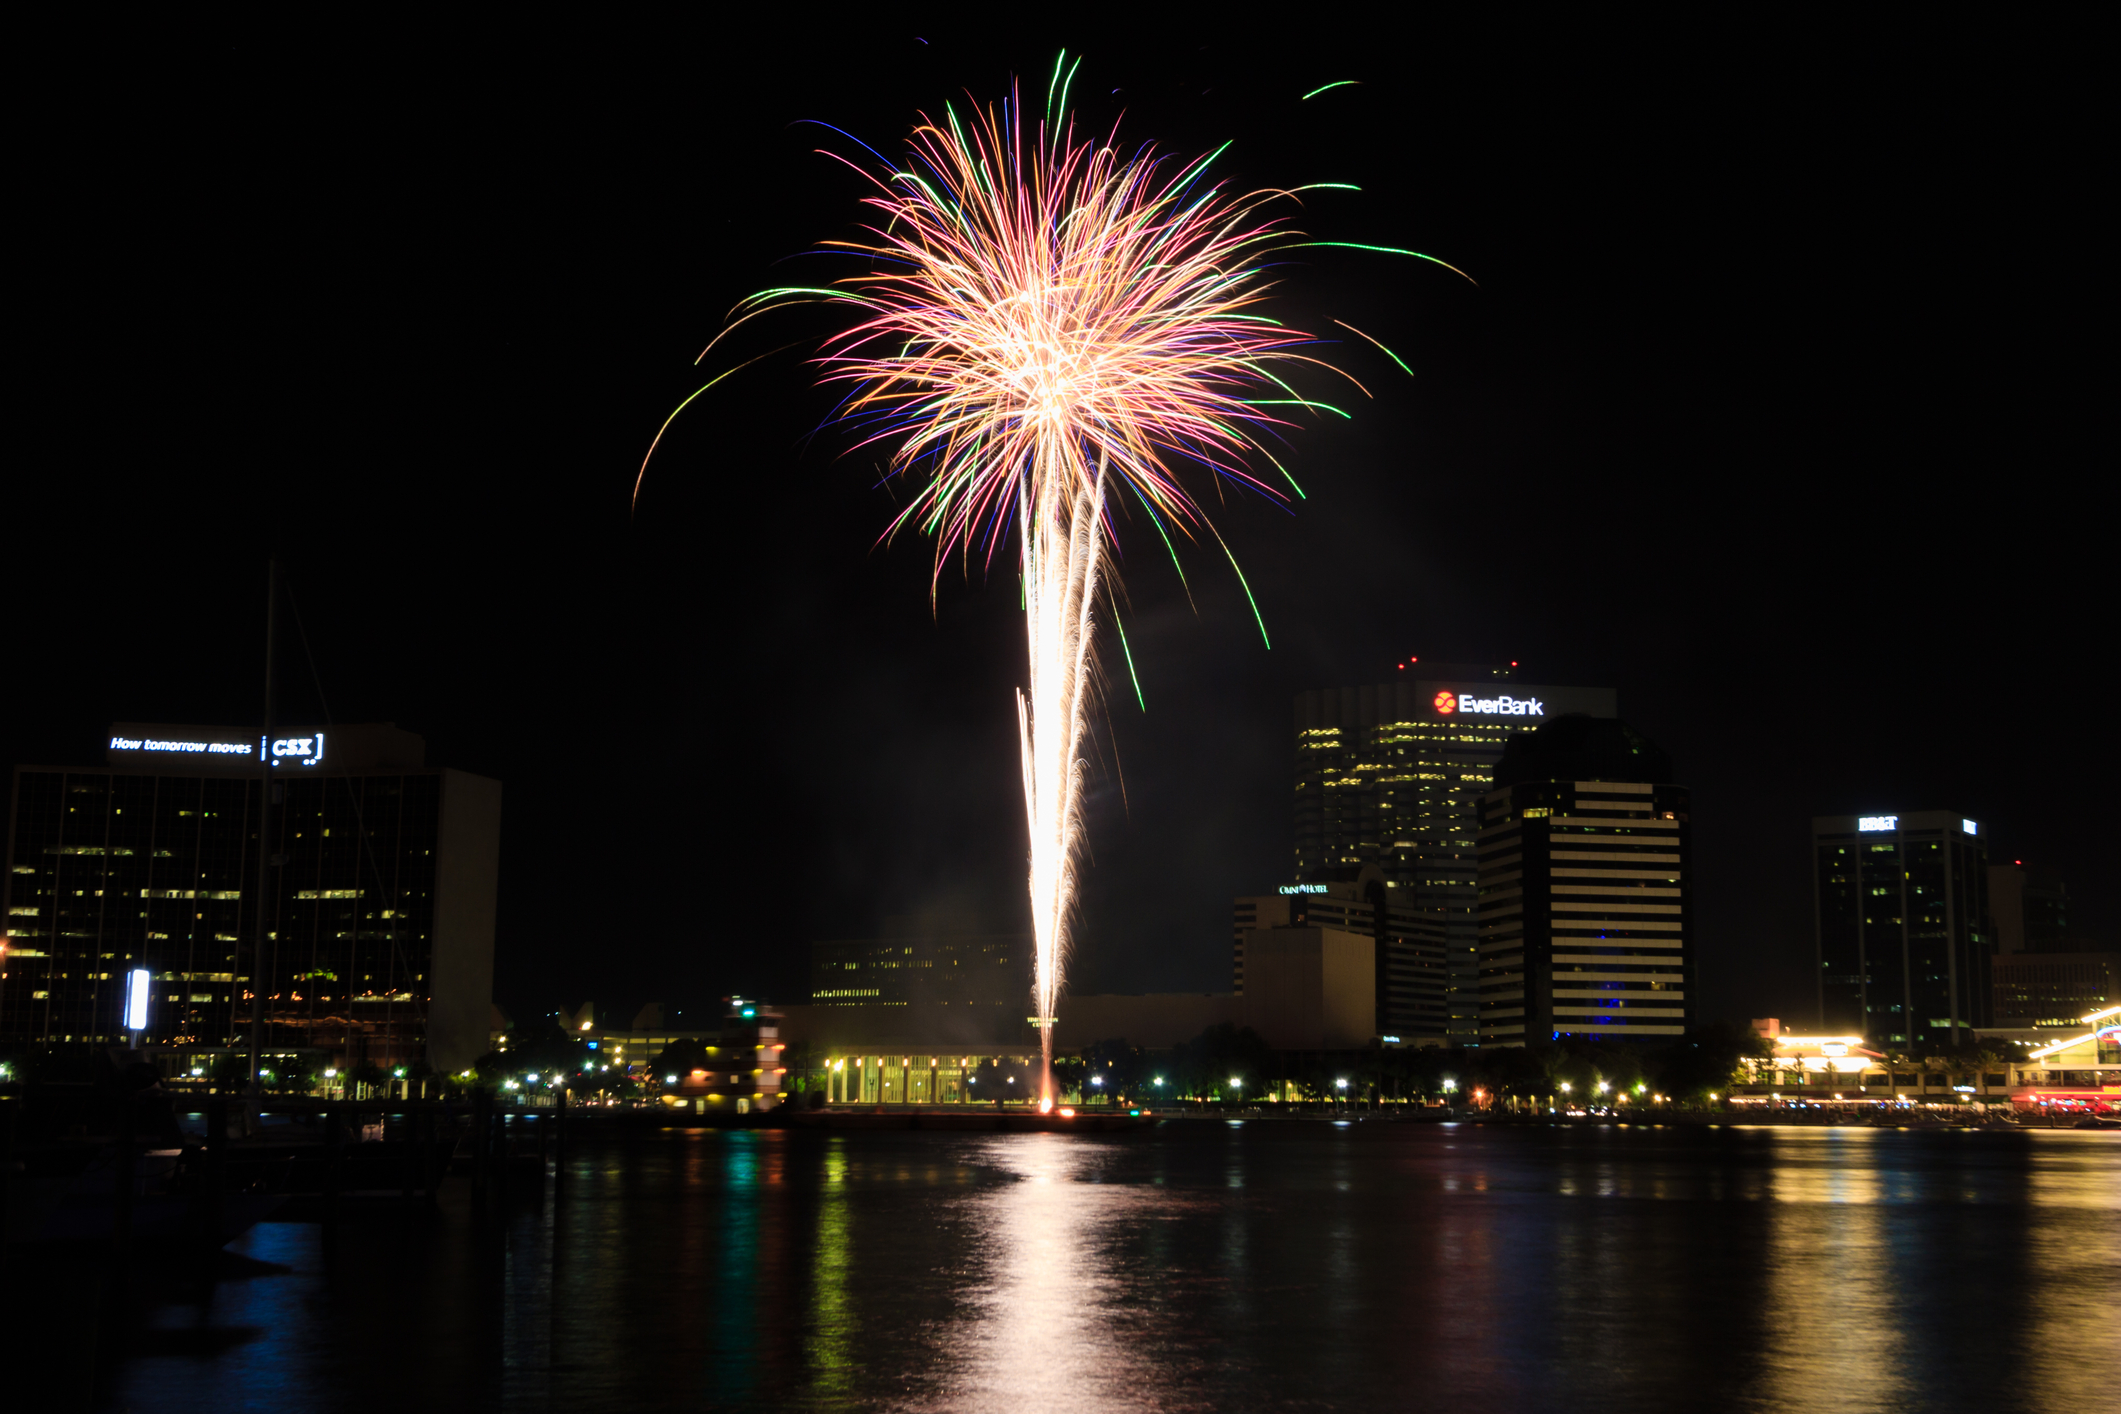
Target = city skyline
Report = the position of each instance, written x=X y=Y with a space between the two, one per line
x=1593 y=887
x=1633 y=456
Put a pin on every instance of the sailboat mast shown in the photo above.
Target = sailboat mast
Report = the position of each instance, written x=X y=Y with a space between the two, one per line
x=266 y=857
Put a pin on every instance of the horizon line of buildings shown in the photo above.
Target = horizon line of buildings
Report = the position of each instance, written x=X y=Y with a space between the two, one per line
x=1477 y=862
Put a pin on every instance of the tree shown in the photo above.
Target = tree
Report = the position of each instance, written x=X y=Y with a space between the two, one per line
x=1007 y=1080
x=806 y=1073
x=1212 y=1059
x=1516 y=1072
x=291 y=1077
x=616 y=1084
x=1068 y=1074
x=1125 y=1069
x=545 y=1047
x=680 y=1058
x=491 y=1069
x=1707 y=1062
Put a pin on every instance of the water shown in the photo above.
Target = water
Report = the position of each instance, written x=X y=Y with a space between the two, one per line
x=1268 y=1265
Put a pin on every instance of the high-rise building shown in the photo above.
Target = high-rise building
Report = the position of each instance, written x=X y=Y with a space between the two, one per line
x=1392 y=775
x=1585 y=888
x=2035 y=990
x=1901 y=912
x=2028 y=908
x=1406 y=935
x=379 y=913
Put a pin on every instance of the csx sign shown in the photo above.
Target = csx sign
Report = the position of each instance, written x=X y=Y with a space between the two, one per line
x=309 y=750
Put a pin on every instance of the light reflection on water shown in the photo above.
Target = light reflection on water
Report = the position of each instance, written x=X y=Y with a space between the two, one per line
x=1271 y=1265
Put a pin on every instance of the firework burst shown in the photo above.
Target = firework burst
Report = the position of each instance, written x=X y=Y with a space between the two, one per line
x=1050 y=333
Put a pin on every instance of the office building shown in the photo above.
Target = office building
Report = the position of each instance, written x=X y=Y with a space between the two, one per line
x=2028 y=908
x=1407 y=941
x=1309 y=987
x=1585 y=887
x=989 y=970
x=917 y=988
x=2035 y=991
x=1391 y=776
x=1900 y=903
x=378 y=916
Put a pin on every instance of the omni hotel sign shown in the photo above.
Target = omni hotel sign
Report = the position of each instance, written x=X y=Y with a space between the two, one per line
x=305 y=750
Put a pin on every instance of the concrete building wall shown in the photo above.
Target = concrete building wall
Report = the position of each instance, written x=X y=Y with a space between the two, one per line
x=1311 y=988
x=467 y=886
x=1308 y=989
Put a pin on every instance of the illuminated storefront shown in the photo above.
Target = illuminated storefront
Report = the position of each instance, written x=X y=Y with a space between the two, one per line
x=1822 y=1069
x=2079 y=1072
x=859 y=1076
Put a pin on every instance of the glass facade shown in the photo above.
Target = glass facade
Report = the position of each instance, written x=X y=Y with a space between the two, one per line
x=110 y=870
x=1393 y=775
x=1903 y=946
x=2053 y=989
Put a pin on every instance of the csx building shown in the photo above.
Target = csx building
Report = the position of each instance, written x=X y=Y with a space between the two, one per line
x=375 y=941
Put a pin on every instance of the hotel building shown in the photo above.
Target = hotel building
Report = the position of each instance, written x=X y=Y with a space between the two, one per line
x=378 y=914
x=1406 y=937
x=1900 y=908
x=1585 y=885
x=1391 y=776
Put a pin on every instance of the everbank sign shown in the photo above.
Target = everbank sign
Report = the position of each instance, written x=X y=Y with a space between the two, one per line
x=1449 y=703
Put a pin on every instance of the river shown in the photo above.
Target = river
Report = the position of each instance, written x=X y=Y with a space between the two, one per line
x=1208 y=1265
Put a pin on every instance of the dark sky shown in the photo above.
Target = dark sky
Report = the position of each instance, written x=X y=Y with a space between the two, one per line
x=1770 y=411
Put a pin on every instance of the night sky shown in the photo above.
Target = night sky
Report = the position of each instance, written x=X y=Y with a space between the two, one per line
x=1769 y=411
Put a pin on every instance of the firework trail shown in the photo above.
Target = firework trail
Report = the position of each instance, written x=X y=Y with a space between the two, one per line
x=1050 y=332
